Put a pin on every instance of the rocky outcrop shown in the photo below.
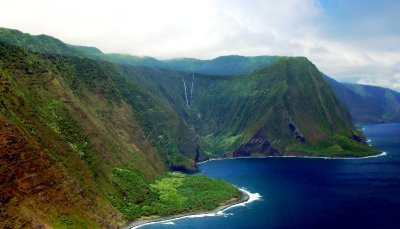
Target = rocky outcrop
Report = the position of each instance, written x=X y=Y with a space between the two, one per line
x=296 y=133
x=259 y=144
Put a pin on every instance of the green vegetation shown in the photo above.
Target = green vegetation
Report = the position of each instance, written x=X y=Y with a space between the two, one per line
x=221 y=66
x=90 y=136
x=368 y=104
x=72 y=113
x=72 y=222
x=79 y=119
x=40 y=43
x=282 y=103
x=336 y=146
x=171 y=194
x=214 y=145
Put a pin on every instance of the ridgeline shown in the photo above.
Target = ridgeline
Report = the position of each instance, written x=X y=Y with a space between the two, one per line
x=87 y=138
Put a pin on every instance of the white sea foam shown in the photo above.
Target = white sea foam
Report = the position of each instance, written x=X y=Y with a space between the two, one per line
x=252 y=197
x=333 y=158
x=213 y=159
x=307 y=157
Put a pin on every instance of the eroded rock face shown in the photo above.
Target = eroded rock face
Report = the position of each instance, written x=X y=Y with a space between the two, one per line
x=258 y=144
x=19 y=165
x=358 y=138
x=30 y=181
x=296 y=133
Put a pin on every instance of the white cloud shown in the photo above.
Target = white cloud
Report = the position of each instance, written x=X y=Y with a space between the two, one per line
x=206 y=29
x=166 y=28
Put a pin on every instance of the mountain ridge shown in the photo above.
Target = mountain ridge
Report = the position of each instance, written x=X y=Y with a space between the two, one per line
x=48 y=44
x=368 y=104
x=107 y=131
x=178 y=70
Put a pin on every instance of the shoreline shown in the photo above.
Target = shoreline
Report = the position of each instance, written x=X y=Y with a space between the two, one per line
x=244 y=198
x=292 y=156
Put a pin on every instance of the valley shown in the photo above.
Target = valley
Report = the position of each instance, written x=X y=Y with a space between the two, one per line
x=90 y=139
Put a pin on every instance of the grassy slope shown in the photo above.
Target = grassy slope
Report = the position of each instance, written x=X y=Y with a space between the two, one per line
x=87 y=122
x=260 y=107
x=317 y=115
x=68 y=124
x=72 y=186
x=226 y=112
x=221 y=66
x=365 y=103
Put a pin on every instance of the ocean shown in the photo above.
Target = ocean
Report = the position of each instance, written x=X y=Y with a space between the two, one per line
x=310 y=192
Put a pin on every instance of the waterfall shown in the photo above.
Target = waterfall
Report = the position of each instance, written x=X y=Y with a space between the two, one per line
x=191 y=90
x=186 y=97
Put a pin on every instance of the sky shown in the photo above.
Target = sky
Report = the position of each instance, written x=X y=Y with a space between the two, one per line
x=350 y=40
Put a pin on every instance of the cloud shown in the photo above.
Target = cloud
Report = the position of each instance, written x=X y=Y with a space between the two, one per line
x=166 y=28
x=347 y=40
x=393 y=82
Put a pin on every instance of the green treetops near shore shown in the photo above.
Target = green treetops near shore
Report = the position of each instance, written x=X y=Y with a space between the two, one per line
x=171 y=194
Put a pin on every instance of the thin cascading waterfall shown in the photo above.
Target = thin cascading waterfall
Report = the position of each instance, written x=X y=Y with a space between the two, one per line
x=186 y=97
x=191 y=90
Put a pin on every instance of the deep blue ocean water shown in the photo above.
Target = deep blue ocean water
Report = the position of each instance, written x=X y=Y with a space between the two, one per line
x=311 y=193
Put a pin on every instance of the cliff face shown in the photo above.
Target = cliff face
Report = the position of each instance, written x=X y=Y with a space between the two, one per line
x=305 y=116
x=31 y=181
x=283 y=108
x=68 y=123
x=368 y=104
x=77 y=133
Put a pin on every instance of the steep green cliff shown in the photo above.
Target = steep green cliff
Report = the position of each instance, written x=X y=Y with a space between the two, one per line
x=81 y=144
x=284 y=108
x=86 y=137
